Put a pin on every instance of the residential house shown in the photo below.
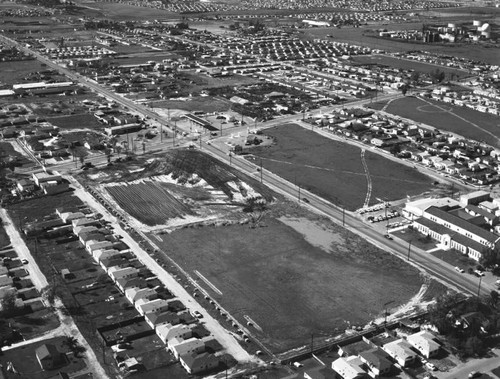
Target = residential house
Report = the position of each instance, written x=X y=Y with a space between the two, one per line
x=135 y=293
x=49 y=357
x=425 y=342
x=125 y=283
x=70 y=216
x=377 y=361
x=166 y=332
x=349 y=368
x=195 y=363
x=93 y=245
x=179 y=346
x=145 y=306
x=401 y=351
x=100 y=255
x=117 y=272
x=156 y=319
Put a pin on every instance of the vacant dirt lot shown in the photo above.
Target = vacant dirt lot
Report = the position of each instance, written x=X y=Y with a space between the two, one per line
x=288 y=286
x=334 y=170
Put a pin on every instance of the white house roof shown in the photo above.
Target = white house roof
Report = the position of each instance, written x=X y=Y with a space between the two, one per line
x=349 y=368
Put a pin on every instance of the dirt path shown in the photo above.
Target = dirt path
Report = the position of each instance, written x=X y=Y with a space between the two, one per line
x=67 y=326
x=225 y=338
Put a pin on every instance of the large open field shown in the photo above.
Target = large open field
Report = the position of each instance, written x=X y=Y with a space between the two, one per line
x=466 y=122
x=288 y=286
x=364 y=36
x=334 y=170
x=116 y=11
x=406 y=64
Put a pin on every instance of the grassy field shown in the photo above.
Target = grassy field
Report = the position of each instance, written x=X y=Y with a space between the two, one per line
x=334 y=170
x=356 y=36
x=80 y=121
x=405 y=64
x=204 y=104
x=289 y=287
x=463 y=121
x=116 y=11
x=14 y=72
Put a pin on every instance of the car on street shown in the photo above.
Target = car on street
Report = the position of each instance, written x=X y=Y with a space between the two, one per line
x=388 y=236
x=474 y=374
x=24 y=261
x=479 y=273
x=460 y=270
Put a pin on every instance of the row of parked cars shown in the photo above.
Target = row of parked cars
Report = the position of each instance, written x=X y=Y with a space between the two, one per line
x=384 y=217
x=375 y=208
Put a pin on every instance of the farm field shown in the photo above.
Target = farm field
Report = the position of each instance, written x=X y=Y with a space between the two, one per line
x=334 y=171
x=149 y=202
x=182 y=187
x=288 y=286
x=463 y=121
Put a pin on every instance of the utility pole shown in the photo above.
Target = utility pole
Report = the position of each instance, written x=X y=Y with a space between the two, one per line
x=409 y=249
x=479 y=286
x=343 y=216
x=261 y=170
x=312 y=344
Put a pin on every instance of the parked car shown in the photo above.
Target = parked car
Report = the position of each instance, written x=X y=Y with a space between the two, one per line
x=24 y=261
x=460 y=270
x=431 y=366
x=388 y=236
x=479 y=273
x=197 y=314
x=474 y=374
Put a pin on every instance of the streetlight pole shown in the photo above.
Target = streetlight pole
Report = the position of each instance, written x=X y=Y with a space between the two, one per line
x=479 y=286
x=409 y=249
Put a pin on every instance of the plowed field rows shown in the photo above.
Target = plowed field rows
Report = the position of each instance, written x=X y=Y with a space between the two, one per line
x=149 y=202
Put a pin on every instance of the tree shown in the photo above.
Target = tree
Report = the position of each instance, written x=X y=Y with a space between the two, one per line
x=415 y=77
x=437 y=76
x=50 y=293
x=404 y=89
x=494 y=297
x=395 y=149
x=74 y=345
x=8 y=303
x=473 y=346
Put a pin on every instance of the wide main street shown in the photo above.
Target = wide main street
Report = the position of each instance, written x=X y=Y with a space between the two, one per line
x=435 y=267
